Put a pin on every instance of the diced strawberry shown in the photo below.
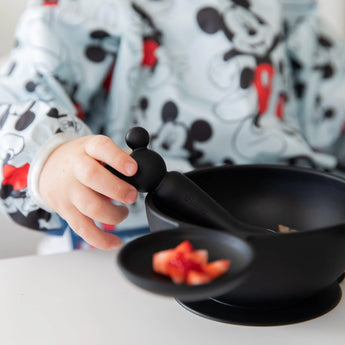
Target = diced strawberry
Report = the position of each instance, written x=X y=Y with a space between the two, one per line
x=185 y=247
x=161 y=259
x=176 y=272
x=200 y=256
x=216 y=268
x=197 y=278
x=183 y=264
x=179 y=266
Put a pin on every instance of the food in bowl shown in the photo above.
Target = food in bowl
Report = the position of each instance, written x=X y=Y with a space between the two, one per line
x=186 y=265
x=283 y=229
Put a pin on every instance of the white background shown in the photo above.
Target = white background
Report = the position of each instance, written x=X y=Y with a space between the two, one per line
x=16 y=241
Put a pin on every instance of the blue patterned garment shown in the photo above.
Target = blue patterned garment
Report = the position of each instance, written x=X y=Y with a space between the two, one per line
x=213 y=81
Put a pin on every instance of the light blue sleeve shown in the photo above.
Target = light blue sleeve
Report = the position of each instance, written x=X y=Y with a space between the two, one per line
x=317 y=54
x=62 y=58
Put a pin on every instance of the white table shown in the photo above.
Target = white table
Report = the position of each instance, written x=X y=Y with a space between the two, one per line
x=81 y=298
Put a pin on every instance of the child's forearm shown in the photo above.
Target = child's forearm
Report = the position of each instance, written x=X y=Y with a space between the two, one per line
x=41 y=95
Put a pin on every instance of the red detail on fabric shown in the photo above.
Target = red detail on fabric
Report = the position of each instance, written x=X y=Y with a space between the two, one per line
x=280 y=109
x=149 y=50
x=108 y=79
x=80 y=111
x=50 y=3
x=16 y=177
x=263 y=79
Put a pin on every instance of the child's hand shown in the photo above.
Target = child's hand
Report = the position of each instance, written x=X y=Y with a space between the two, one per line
x=74 y=183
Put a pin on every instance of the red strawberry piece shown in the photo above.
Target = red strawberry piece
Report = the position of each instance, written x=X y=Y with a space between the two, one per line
x=161 y=259
x=197 y=278
x=199 y=256
x=185 y=247
x=179 y=267
x=183 y=264
x=216 y=268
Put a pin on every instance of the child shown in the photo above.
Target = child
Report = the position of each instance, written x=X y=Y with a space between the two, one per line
x=214 y=82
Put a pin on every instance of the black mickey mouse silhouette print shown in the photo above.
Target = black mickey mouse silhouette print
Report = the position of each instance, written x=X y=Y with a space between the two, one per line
x=200 y=131
x=171 y=134
x=25 y=119
x=65 y=122
x=140 y=111
x=34 y=86
x=324 y=64
x=326 y=116
x=212 y=81
x=250 y=35
x=14 y=183
x=174 y=135
x=102 y=44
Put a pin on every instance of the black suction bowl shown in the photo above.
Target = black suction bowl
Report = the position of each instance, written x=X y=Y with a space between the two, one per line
x=291 y=272
x=265 y=196
x=135 y=261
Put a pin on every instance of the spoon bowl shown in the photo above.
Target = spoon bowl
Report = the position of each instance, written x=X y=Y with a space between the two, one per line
x=135 y=261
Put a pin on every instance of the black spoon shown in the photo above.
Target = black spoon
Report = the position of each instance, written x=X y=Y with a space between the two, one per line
x=135 y=261
x=175 y=192
x=178 y=194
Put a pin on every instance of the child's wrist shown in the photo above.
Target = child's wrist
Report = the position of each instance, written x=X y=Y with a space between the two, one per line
x=38 y=162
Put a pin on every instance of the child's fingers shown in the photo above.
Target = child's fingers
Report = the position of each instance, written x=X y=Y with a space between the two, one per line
x=93 y=175
x=105 y=150
x=95 y=206
x=86 y=228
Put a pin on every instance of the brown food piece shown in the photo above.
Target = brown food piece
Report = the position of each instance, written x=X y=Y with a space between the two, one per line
x=285 y=229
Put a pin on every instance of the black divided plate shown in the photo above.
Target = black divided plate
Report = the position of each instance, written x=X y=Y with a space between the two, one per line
x=135 y=261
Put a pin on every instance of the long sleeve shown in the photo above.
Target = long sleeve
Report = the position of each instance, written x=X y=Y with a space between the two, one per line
x=60 y=62
x=318 y=54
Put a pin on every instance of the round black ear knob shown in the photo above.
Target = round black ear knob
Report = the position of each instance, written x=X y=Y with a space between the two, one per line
x=137 y=137
x=151 y=166
x=151 y=170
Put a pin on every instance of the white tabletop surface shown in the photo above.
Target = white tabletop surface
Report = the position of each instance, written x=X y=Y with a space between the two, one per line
x=81 y=298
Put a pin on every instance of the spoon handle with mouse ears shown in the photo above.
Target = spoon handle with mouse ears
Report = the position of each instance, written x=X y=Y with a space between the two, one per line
x=174 y=192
